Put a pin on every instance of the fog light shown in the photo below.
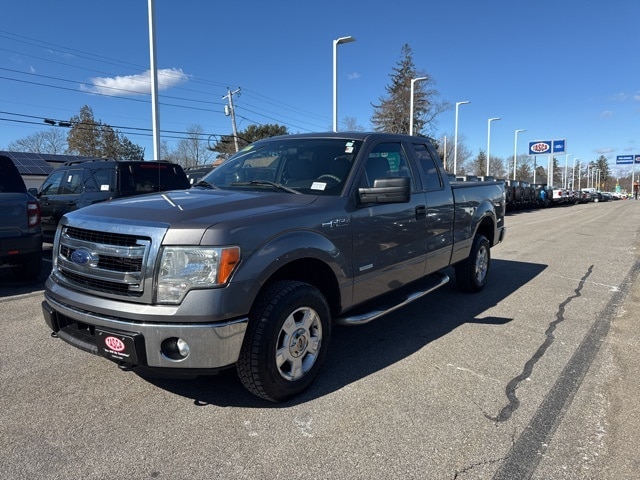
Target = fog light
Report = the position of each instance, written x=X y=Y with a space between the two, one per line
x=175 y=348
x=183 y=347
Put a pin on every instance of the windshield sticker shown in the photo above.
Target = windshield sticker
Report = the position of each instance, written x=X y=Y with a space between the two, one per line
x=318 y=186
x=104 y=188
x=348 y=147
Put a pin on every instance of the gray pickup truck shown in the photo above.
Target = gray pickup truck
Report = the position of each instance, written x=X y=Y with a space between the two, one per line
x=254 y=264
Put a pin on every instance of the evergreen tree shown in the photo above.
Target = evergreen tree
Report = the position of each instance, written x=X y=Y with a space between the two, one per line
x=392 y=114
x=93 y=138
x=226 y=144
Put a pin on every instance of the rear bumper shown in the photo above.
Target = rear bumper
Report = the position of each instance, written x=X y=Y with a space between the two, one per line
x=211 y=345
x=14 y=249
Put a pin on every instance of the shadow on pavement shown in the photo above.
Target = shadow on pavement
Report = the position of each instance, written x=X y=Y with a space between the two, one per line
x=359 y=351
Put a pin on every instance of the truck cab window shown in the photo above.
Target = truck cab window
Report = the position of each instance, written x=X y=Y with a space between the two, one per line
x=386 y=160
x=431 y=172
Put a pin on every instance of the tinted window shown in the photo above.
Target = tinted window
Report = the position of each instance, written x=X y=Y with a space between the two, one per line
x=52 y=185
x=10 y=179
x=141 y=177
x=431 y=172
x=103 y=179
x=72 y=182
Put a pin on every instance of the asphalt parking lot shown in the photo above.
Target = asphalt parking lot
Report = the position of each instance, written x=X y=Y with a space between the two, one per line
x=533 y=378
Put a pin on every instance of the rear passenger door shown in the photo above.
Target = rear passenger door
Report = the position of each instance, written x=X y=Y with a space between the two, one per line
x=388 y=247
x=440 y=209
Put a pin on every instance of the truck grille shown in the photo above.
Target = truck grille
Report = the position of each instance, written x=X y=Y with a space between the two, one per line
x=107 y=262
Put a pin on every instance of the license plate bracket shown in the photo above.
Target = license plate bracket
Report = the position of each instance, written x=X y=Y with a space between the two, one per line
x=123 y=347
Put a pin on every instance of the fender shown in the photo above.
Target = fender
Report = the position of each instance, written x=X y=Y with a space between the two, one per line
x=256 y=269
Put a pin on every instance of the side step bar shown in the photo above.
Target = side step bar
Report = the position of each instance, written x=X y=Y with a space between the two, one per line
x=437 y=280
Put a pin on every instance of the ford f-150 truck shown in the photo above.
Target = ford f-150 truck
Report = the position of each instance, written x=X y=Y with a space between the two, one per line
x=254 y=264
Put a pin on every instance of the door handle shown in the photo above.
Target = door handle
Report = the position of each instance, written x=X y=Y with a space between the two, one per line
x=421 y=211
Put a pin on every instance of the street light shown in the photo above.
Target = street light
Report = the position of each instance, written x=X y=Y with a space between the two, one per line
x=455 y=139
x=489 y=141
x=515 y=149
x=566 y=176
x=335 y=77
x=413 y=81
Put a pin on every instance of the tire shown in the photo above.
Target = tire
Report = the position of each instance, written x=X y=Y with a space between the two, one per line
x=286 y=341
x=30 y=269
x=472 y=273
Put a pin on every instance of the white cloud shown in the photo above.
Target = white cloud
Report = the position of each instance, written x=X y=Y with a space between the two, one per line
x=353 y=76
x=135 y=84
x=606 y=114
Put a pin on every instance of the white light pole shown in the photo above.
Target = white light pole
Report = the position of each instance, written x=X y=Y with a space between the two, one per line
x=566 y=173
x=489 y=141
x=444 y=153
x=413 y=82
x=515 y=149
x=579 y=173
x=337 y=42
x=155 y=112
x=455 y=139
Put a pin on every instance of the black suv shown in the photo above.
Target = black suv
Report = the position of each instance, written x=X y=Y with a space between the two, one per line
x=78 y=184
x=20 y=230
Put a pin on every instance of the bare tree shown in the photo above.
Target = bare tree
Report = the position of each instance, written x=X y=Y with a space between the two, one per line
x=52 y=140
x=351 y=125
x=192 y=150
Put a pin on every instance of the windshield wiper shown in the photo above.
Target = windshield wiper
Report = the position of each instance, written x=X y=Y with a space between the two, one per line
x=279 y=186
x=204 y=184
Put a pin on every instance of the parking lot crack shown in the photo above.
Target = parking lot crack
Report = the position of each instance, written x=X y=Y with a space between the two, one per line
x=512 y=386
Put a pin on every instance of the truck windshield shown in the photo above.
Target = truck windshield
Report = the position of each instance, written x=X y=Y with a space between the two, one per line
x=310 y=166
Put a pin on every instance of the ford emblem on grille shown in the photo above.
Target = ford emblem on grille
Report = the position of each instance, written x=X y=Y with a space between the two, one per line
x=80 y=257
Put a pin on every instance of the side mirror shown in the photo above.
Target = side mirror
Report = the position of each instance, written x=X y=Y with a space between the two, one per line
x=33 y=191
x=387 y=190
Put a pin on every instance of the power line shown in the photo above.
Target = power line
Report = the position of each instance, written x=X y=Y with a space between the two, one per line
x=111 y=61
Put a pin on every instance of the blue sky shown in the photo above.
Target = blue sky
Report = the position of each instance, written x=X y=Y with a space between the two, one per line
x=559 y=69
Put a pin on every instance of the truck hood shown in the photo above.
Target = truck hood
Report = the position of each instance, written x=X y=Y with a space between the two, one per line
x=191 y=209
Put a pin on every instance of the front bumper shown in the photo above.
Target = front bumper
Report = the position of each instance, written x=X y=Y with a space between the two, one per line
x=212 y=345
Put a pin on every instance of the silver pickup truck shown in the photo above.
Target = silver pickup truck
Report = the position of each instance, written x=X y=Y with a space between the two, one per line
x=254 y=264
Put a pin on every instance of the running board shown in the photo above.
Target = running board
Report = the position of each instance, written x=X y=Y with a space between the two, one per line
x=436 y=281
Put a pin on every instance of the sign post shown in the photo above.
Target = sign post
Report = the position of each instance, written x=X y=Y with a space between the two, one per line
x=630 y=160
x=548 y=147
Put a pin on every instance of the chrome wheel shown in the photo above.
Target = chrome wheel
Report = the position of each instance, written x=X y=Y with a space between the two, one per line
x=298 y=343
x=482 y=264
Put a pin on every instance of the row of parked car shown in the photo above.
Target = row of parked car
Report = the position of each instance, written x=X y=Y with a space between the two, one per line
x=528 y=195
x=521 y=195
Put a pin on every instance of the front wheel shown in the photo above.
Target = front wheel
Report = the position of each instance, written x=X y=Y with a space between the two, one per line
x=286 y=341
x=471 y=274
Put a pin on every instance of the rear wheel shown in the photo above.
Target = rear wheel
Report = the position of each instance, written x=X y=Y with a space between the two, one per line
x=471 y=274
x=286 y=340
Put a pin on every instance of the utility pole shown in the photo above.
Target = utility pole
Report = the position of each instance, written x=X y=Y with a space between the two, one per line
x=230 y=110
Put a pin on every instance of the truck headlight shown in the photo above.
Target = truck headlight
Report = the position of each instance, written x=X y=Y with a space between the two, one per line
x=186 y=268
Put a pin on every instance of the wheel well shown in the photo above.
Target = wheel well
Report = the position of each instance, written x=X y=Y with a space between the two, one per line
x=313 y=272
x=486 y=228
